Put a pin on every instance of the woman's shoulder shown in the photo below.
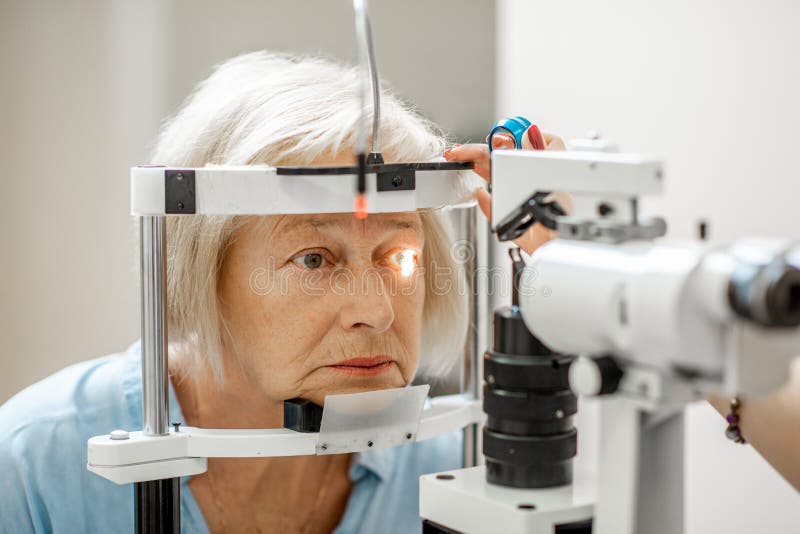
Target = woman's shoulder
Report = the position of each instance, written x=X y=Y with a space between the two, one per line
x=43 y=434
x=403 y=465
x=79 y=394
x=441 y=453
x=393 y=491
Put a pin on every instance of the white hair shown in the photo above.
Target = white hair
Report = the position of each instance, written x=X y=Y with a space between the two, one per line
x=277 y=109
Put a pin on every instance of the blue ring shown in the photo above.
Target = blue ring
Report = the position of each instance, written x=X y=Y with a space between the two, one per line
x=515 y=126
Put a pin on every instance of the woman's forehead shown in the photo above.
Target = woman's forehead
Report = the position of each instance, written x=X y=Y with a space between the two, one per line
x=346 y=225
x=348 y=222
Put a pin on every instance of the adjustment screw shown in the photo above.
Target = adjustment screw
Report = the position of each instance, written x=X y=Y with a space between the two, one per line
x=409 y=435
x=369 y=444
x=180 y=205
x=397 y=181
x=324 y=447
x=179 y=176
x=559 y=414
x=177 y=426
x=604 y=209
x=119 y=435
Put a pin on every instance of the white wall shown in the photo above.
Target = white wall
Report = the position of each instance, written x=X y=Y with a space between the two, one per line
x=712 y=87
x=73 y=118
x=84 y=86
x=439 y=55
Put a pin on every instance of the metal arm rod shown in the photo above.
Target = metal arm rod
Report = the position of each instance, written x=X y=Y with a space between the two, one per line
x=376 y=90
x=369 y=75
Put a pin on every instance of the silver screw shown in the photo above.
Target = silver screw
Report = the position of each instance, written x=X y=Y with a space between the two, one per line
x=559 y=414
x=179 y=176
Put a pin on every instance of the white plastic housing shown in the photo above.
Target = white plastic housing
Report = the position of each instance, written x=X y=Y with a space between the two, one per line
x=588 y=176
x=259 y=190
x=141 y=457
x=658 y=305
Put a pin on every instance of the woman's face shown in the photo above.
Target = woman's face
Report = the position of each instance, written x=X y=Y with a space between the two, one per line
x=324 y=304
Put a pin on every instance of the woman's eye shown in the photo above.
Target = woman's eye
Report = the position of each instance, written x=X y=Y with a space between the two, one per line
x=312 y=260
x=405 y=260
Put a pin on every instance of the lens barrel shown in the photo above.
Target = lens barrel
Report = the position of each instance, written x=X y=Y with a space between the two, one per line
x=529 y=439
x=767 y=294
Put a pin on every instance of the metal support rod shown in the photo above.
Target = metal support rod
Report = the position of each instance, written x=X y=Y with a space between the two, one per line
x=158 y=508
x=471 y=230
x=155 y=385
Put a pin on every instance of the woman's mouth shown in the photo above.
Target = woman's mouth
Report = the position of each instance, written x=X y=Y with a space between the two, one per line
x=364 y=366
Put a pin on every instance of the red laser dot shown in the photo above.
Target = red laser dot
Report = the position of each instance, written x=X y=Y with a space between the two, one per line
x=360 y=207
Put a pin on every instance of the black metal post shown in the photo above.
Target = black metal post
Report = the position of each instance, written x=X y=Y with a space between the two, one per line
x=158 y=506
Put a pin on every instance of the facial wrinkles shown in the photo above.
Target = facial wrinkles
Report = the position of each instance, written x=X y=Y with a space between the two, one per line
x=327 y=340
x=351 y=347
x=328 y=343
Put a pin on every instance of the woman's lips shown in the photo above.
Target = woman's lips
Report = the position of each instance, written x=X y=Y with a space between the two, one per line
x=364 y=366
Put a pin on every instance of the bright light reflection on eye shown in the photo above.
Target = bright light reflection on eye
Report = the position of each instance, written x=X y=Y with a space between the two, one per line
x=407 y=259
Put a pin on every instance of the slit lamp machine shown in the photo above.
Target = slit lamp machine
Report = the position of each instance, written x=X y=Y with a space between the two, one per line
x=607 y=310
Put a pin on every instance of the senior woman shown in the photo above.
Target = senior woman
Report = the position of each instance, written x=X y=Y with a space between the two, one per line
x=239 y=348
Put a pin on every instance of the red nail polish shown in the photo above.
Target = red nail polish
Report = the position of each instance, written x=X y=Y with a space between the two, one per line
x=535 y=137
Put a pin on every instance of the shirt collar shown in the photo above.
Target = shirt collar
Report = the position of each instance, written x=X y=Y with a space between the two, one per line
x=380 y=462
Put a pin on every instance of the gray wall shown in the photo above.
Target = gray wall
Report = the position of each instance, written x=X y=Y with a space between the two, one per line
x=83 y=89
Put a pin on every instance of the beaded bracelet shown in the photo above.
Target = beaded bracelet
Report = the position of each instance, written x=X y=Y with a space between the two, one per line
x=733 y=432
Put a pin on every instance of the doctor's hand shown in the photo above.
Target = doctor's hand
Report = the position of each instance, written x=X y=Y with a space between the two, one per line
x=478 y=154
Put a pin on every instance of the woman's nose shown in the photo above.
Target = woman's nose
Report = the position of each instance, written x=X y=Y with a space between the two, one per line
x=367 y=304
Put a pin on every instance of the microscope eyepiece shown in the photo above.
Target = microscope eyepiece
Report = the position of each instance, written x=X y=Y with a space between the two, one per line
x=783 y=298
x=767 y=294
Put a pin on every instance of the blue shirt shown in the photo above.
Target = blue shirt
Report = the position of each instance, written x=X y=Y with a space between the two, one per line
x=45 y=486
